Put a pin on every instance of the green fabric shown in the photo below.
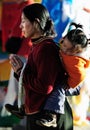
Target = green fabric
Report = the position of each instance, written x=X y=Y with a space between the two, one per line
x=65 y=121
x=8 y=121
x=68 y=124
x=3 y=83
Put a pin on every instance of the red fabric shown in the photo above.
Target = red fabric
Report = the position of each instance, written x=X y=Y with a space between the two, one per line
x=42 y=69
x=0 y=35
x=11 y=17
x=25 y=47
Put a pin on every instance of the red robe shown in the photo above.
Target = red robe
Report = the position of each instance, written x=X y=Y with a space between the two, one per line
x=42 y=72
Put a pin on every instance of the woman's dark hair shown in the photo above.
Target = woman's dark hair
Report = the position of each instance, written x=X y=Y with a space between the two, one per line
x=77 y=36
x=38 y=11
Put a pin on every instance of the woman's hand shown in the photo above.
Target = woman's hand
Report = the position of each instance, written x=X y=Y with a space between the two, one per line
x=16 y=63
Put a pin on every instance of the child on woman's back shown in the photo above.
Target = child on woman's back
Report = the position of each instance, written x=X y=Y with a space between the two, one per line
x=74 y=53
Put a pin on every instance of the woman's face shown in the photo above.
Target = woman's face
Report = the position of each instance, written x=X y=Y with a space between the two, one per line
x=27 y=27
x=66 y=46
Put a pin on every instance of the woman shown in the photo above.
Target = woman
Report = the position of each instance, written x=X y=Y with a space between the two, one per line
x=43 y=70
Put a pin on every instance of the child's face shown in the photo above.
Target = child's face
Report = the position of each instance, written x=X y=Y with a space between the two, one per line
x=66 y=46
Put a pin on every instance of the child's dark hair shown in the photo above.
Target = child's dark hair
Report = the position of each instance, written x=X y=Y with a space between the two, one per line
x=77 y=36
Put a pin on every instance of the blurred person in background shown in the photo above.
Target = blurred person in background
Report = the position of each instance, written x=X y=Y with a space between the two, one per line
x=10 y=21
x=14 y=42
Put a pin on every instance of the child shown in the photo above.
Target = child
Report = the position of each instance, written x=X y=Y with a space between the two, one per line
x=74 y=51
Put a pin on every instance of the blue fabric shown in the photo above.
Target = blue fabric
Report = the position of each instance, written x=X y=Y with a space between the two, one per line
x=56 y=100
x=55 y=8
x=3 y=56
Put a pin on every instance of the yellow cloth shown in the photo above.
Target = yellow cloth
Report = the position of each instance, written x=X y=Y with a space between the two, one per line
x=38 y=1
x=5 y=69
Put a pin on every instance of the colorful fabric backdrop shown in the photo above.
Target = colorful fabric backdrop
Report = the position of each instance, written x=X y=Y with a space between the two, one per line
x=60 y=11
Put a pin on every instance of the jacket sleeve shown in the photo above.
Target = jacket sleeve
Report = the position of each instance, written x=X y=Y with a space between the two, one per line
x=73 y=91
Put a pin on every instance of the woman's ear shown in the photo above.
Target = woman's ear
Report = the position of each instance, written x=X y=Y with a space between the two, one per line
x=37 y=20
x=37 y=24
